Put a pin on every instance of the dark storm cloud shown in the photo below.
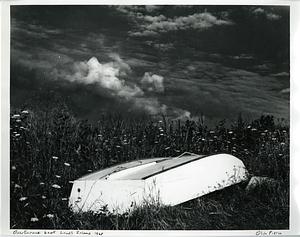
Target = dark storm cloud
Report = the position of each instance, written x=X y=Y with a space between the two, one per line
x=105 y=70
x=32 y=30
x=260 y=31
x=110 y=79
x=237 y=91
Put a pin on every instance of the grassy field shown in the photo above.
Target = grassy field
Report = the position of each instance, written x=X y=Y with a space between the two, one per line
x=50 y=149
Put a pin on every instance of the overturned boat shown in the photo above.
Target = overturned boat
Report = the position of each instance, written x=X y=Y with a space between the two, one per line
x=169 y=181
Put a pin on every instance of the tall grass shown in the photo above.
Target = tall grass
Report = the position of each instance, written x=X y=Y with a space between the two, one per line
x=49 y=149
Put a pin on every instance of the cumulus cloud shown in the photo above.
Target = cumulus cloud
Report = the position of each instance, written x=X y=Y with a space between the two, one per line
x=109 y=79
x=269 y=15
x=154 y=18
x=152 y=25
x=164 y=47
x=137 y=9
x=105 y=76
x=154 y=107
x=151 y=8
x=119 y=63
x=153 y=82
x=150 y=105
x=183 y=114
x=272 y=16
x=145 y=33
x=280 y=74
x=258 y=11
x=285 y=91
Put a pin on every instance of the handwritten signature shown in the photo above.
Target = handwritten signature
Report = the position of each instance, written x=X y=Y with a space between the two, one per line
x=268 y=232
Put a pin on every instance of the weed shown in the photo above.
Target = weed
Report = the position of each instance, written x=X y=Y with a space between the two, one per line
x=50 y=149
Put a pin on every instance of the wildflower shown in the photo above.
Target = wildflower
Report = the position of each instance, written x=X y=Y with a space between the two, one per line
x=118 y=146
x=280 y=154
x=13 y=167
x=167 y=148
x=58 y=176
x=67 y=164
x=54 y=157
x=211 y=132
x=34 y=219
x=42 y=183
x=253 y=129
x=26 y=204
x=56 y=186
x=16 y=116
x=266 y=130
x=89 y=170
x=50 y=216
x=230 y=132
x=161 y=134
x=18 y=120
x=25 y=112
x=17 y=135
x=249 y=127
x=282 y=143
x=64 y=199
x=23 y=199
x=17 y=186
x=263 y=134
x=43 y=197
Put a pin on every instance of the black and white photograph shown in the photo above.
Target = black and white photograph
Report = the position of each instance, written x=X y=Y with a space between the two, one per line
x=149 y=117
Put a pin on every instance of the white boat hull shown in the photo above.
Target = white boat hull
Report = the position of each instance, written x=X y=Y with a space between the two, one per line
x=169 y=181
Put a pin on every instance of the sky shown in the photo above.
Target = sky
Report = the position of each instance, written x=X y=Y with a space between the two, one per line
x=181 y=61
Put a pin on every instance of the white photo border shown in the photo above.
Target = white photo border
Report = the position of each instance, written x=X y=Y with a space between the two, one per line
x=294 y=229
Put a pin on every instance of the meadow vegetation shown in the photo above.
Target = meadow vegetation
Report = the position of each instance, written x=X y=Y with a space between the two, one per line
x=49 y=149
